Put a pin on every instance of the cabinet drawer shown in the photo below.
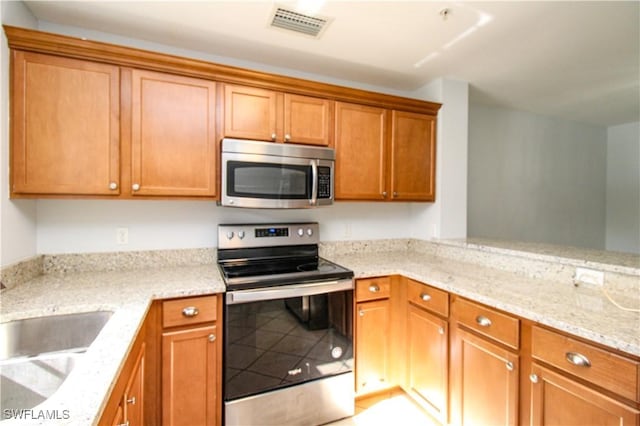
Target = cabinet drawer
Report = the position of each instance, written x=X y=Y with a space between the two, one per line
x=191 y=310
x=373 y=288
x=598 y=366
x=489 y=322
x=432 y=299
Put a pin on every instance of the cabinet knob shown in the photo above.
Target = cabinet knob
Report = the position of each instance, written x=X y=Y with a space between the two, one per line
x=287 y=137
x=533 y=378
x=425 y=297
x=441 y=330
x=374 y=288
x=483 y=321
x=135 y=186
x=384 y=194
x=124 y=424
x=113 y=186
x=361 y=312
x=132 y=400
x=273 y=136
x=395 y=194
x=190 y=311
x=212 y=337
x=578 y=359
x=509 y=366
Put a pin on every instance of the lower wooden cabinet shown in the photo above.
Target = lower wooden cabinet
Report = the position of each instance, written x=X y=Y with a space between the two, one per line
x=427 y=361
x=372 y=345
x=559 y=400
x=486 y=382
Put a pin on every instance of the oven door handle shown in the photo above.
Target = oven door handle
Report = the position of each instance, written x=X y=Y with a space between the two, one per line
x=284 y=292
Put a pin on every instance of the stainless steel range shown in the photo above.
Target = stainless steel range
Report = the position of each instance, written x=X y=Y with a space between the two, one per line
x=288 y=352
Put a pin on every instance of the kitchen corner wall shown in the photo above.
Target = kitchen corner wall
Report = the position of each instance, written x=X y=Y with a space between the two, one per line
x=18 y=217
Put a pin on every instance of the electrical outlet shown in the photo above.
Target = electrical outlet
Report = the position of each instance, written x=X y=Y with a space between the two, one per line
x=589 y=276
x=122 y=236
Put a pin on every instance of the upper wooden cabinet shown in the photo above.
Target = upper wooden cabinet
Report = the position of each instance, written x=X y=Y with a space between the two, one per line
x=173 y=140
x=65 y=126
x=383 y=154
x=259 y=114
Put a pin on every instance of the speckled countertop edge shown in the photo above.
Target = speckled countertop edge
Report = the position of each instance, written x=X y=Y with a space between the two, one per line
x=580 y=311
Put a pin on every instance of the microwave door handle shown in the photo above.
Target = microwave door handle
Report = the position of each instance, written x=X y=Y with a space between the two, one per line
x=314 y=183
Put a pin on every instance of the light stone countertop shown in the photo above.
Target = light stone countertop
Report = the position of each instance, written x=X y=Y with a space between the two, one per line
x=582 y=311
x=128 y=294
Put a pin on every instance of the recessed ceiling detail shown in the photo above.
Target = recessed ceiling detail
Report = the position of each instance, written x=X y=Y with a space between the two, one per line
x=294 y=21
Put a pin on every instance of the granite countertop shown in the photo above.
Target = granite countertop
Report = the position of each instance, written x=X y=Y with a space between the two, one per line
x=583 y=311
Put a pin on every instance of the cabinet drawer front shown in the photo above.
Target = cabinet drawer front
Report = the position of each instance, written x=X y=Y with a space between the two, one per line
x=598 y=366
x=489 y=322
x=432 y=299
x=191 y=310
x=373 y=288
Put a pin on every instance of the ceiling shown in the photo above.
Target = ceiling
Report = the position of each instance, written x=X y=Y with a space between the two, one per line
x=576 y=60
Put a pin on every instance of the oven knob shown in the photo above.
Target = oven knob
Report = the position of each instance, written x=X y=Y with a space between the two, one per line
x=229 y=235
x=241 y=234
x=300 y=232
x=309 y=231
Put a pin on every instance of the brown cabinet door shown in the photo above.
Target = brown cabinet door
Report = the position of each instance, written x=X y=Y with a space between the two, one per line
x=134 y=394
x=557 y=400
x=413 y=142
x=173 y=146
x=307 y=120
x=486 y=382
x=65 y=133
x=250 y=113
x=189 y=370
x=360 y=135
x=427 y=360
x=372 y=345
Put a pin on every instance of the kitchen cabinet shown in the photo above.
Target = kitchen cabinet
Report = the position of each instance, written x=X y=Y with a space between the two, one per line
x=485 y=373
x=427 y=354
x=191 y=361
x=260 y=114
x=373 y=315
x=65 y=134
x=384 y=154
x=173 y=139
x=589 y=388
x=126 y=403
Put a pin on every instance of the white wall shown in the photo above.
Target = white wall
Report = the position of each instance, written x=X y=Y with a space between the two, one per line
x=535 y=178
x=623 y=188
x=447 y=217
x=17 y=217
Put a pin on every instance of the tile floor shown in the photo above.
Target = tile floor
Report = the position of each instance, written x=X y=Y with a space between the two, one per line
x=390 y=408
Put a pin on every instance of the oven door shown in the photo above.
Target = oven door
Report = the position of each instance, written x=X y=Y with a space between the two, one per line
x=275 y=360
x=265 y=181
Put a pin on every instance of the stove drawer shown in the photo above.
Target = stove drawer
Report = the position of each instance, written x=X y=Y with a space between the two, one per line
x=189 y=310
x=373 y=288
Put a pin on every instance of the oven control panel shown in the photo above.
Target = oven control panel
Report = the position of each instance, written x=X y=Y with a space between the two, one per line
x=267 y=235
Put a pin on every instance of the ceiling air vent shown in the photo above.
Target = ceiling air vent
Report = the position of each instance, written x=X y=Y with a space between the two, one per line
x=294 y=21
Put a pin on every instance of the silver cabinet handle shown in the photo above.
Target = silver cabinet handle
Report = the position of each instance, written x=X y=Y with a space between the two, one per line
x=384 y=194
x=132 y=400
x=425 y=297
x=124 y=424
x=374 y=288
x=509 y=366
x=113 y=186
x=135 y=186
x=533 y=378
x=441 y=330
x=273 y=136
x=212 y=337
x=395 y=194
x=190 y=311
x=287 y=137
x=483 y=321
x=361 y=312
x=578 y=359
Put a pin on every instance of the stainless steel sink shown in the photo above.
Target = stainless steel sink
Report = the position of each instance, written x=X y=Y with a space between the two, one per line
x=37 y=355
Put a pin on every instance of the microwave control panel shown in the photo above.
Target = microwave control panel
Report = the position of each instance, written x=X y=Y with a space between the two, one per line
x=324 y=182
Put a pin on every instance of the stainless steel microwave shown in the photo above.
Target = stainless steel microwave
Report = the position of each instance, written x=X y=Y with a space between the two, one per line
x=276 y=175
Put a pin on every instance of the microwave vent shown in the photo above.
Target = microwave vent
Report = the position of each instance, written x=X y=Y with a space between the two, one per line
x=294 y=21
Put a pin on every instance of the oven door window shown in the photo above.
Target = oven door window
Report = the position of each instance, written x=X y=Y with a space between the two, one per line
x=268 y=180
x=278 y=343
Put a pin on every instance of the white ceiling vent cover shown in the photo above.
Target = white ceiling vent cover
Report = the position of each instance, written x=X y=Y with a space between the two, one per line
x=294 y=21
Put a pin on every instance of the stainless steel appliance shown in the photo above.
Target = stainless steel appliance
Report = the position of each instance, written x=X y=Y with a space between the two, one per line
x=276 y=175
x=288 y=323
